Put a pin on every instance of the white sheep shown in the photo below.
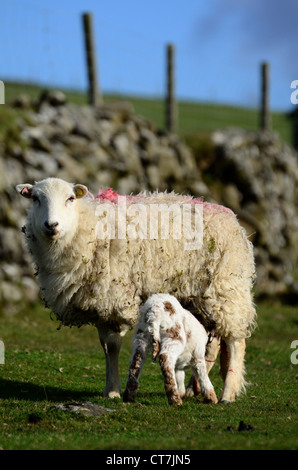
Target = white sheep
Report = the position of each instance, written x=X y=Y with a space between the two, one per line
x=90 y=273
x=179 y=340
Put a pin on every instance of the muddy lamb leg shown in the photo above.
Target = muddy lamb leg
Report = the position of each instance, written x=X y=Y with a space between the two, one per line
x=140 y=348
x=167 y=364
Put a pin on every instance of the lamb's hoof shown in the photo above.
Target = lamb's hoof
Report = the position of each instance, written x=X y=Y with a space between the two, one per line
x=189 y=392
x=224 y=401
x=210 y=397
x=175 y=401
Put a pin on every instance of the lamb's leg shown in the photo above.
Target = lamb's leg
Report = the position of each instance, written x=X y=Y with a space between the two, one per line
x=140 y=347
x=167 y=364
x=205 y=384
x=233 y=369
x=180 y=380
x=111 y=343
x=192 y=388
x=212 y=349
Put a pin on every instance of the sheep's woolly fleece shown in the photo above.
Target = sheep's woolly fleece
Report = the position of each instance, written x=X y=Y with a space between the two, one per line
x=91 y=280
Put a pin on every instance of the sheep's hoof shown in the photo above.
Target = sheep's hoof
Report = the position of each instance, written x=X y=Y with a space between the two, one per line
x=224 y=401
x=112 y=395
x=128 y=398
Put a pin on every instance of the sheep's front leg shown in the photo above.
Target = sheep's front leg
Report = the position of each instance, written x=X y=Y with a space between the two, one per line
x=111 y=343
x=232 y=368
x=167 y=364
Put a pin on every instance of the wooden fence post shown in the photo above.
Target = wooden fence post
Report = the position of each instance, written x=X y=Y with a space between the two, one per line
x=171 y=105
x=94 y=94
x=265 y=118
x=2 y=95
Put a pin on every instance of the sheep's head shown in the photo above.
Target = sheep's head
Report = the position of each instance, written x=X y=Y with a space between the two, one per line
x=53 y=212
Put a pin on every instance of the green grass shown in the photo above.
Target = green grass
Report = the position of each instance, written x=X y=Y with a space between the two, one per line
x=194 y=117
x=44 y=367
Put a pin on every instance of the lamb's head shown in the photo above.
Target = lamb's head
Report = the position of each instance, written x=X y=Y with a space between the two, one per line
x=53 y=213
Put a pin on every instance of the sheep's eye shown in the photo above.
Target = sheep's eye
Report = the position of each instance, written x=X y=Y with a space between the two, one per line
x=35 y=198
x=70 y=199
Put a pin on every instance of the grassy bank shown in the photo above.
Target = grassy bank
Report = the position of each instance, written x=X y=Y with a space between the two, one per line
x=193 y=116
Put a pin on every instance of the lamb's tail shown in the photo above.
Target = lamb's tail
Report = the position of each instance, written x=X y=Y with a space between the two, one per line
x=155 y=349
x=154 y=325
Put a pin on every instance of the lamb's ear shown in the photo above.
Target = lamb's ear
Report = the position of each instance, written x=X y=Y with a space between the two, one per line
x=80 y=190
x=25 y=190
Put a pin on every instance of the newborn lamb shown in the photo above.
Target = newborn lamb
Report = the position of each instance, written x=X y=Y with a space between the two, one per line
x=179 y=340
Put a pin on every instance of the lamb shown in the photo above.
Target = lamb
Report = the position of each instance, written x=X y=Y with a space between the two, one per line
x=179 y=340
x=96 y=264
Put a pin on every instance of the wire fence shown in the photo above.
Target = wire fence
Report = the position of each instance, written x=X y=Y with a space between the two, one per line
x=45 y=46
x=39 y=45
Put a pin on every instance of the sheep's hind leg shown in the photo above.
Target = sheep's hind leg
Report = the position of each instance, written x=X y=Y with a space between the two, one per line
x=232 y=369
x=111 y=343
x=212 y=350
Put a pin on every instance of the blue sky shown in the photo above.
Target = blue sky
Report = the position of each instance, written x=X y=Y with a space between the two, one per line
x=220 y=45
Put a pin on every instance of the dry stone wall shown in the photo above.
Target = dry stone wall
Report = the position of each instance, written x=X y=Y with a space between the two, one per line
x=260 y=175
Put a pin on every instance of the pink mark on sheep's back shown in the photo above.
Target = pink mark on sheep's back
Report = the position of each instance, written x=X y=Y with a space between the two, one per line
x=209 y=206
x=108 y=194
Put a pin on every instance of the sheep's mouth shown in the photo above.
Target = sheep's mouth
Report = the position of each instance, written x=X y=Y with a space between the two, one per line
x=52 y=234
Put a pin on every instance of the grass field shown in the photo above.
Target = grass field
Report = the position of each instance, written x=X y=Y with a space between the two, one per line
x=44 y=367
x=194 y=117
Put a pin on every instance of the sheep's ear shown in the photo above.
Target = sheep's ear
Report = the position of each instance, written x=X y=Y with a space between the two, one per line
x=80 y=190
x=25 y=190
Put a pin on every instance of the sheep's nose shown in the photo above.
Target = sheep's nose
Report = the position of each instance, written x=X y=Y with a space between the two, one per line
x=51 y=226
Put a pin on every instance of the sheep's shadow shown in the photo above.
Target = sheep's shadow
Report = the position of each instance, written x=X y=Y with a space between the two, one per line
x=14 y=389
